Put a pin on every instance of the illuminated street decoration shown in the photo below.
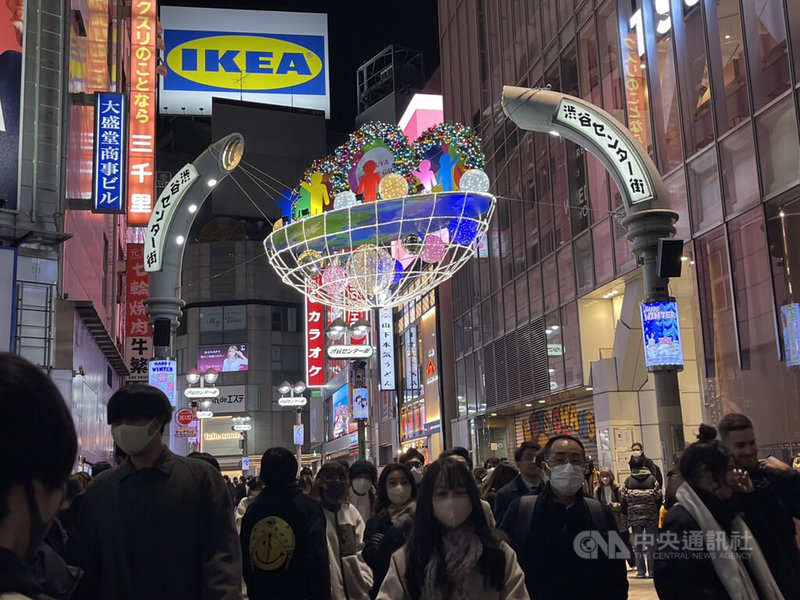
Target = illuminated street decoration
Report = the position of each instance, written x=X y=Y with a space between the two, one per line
x=378 y=246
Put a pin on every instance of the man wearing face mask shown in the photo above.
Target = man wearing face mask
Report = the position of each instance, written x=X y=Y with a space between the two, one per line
x=157 y=517
x=414 y=460
x=546 y=530
x=363 y=477
x=38 y=461
x=655 y=470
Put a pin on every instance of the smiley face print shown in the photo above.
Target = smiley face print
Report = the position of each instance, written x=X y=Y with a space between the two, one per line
x=272 y=544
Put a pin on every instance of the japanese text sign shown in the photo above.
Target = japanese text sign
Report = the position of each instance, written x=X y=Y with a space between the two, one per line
x=618 y=151
x=142 y=77
x=109 y=152
x=163 y=213
x=315 y=338
x=386 y=348
x=138 y=333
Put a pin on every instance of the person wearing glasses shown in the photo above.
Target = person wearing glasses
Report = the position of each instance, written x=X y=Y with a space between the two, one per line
x=555 y=533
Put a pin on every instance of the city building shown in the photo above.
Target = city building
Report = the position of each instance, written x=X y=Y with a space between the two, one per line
x=547 y=333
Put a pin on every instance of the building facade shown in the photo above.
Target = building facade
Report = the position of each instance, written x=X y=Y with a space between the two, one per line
x=547 y=334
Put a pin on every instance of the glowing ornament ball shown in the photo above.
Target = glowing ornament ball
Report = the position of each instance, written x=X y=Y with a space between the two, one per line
x=433 y=250
x=393 y=186
x=309 y=263
x=474 y=180
x=412 y=243
x=463 y=231
x=334 y=280
x=371 y=270
x=344 y=200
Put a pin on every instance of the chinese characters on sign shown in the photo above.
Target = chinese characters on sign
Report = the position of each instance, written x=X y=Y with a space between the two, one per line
x=109 y=152
x=163 y=213
x=142 y=76
x=621 y=154
x=138 y=333
x=386 y=348
x=315 y=341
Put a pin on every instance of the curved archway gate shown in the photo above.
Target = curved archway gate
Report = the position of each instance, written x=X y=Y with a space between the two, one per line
x=647 y=216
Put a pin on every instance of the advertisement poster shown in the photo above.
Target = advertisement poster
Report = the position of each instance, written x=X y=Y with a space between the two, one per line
x=662 y=340
x=342 y=416
x=11 y=27
x=161 y=375
x=223 y=358
x=790 y=321
x=360 y=403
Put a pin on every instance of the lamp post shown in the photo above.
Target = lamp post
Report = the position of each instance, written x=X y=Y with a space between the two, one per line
x=242 y=425
x=295 y=398
x=201 y=396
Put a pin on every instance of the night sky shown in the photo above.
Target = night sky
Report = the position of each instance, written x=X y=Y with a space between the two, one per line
x=357 y=31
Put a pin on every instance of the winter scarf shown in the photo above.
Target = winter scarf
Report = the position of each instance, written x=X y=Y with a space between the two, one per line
x=462 y=550
x=728 y=566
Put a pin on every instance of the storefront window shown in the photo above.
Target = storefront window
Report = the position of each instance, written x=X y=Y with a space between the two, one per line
x=739 y=172
x=783 y=230
x=584 y=266
x=778 y=151
x=603 y=254
x=694 y=80
x=767 y=49
x=727 y=42
x=676 y=186
x=704 y=191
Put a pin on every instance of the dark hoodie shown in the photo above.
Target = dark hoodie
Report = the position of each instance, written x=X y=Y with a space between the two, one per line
x=641 y=499
x=16 y=577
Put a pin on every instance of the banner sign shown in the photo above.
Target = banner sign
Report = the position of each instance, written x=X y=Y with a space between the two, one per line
x=11 y=17
x=315 y=341
x=223 y=358
x=142 y=129
x=163 y=213
x=162 y=375
x=386 y=348
x=360 y=403
x=138 y=333
x=662 y=338
x=110 y=118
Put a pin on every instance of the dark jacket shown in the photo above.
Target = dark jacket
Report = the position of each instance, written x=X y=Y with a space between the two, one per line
x=674 y=481
x=284 y=549
x=160 y=533
x=381 y=539
x=654 y=469
x=641 y=499
x=552 y=567
x=616 y=497
x=514 y=489
x=768 y=511
x=681 y=574
x=16 y=577
x=58 y=579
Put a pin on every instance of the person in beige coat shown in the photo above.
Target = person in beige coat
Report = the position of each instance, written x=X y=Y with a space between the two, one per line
x=452 y=551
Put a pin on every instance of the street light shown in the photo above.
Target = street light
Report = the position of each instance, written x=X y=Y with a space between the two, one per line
x=202 y=395
x=336 y=329
x=297 y=399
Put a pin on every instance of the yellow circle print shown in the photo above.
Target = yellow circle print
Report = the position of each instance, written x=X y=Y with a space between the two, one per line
x=272 y=544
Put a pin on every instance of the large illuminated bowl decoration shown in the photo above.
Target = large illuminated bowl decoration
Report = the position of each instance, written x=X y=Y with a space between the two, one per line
x=361 y=255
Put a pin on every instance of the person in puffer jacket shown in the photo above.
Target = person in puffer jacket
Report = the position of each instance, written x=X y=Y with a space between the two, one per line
x=641 y=501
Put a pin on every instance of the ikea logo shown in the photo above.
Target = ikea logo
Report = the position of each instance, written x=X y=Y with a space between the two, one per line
x=244 y=62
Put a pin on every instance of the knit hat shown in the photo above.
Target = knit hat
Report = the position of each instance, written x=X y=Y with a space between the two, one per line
x=138 y=400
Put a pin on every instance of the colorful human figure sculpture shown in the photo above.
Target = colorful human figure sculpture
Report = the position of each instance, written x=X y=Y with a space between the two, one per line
x=317 y=194
x=447 y=165
x=302 y=206
x=426 y=177
x=368 y=184
x=288 y=197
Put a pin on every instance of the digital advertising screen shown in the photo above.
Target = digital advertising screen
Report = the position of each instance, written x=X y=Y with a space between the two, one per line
x=342 y=414
x=661 y=332
x=790 y=322
x=360 y=403
x=223 y=358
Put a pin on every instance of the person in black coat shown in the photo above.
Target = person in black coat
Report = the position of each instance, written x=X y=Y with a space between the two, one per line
x=389 y=528
x=529 y=481
x=638 y=450
x=284 y=548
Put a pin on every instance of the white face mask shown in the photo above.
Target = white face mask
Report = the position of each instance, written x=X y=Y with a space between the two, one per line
x=399 y=494
x=452 y=511
x=417 y=473
x=566 y=479
x=133 y=438
x=637 y=452
x=361 y=486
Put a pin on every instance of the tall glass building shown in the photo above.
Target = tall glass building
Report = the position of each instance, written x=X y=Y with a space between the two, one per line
x=547 y=332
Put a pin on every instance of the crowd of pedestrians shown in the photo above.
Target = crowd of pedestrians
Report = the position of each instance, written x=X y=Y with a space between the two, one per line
x=549 y=526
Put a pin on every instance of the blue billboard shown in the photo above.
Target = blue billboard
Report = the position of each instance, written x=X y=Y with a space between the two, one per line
x=662 y=338
x=790 y=323
x=110 y=117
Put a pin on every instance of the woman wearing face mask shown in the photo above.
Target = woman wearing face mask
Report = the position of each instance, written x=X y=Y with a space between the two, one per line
x=389 y=528
x=363 y=477
x=452 y=551
x=351 y=578
x=706 y=504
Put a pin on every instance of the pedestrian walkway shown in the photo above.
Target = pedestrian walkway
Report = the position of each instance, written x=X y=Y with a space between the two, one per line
x=640 y=589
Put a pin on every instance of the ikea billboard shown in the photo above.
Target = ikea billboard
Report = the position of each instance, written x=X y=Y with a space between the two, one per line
x=258 y=56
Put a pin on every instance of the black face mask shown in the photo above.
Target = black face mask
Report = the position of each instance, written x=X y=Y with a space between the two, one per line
x=334 y=490
x=38 y=529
